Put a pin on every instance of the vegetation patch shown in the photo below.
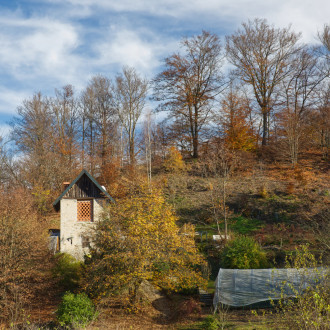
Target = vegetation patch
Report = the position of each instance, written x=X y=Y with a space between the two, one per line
x=67 y=271
x=243 y=225
x=243 y=253
x=75 y=310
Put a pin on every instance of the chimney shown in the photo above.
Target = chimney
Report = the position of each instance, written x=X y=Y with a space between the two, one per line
x=66 y=185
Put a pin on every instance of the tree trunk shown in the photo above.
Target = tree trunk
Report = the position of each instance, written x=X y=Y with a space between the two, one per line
x=224 y=206
x=131 y=152
x=195 y=147
x=104 y=148
x=83 y=144
x=264 y=128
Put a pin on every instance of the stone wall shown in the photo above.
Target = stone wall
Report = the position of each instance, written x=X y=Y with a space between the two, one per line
x=72 y=231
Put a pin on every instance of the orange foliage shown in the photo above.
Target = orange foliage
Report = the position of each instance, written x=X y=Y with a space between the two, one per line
x=110 y=175
x=174 y=161
x=238 y=132
x=303 y=176
x=24 y=251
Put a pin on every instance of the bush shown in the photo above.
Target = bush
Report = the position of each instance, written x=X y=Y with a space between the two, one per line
x=310 y=306
x=243 y=253
x=210 y=323
x=75 y=310
x=68 y=271
x=154 y=249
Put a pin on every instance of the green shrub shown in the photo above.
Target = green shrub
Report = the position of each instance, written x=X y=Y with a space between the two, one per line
x=68 y=271
x=243 y=253
x=210 y=323
x=75 y=310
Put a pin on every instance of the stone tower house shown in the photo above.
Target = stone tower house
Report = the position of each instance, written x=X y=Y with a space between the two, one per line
x=81 y=206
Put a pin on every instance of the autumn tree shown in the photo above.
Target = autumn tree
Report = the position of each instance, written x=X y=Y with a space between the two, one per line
x=235 y=119
x=131 y=92
x=190 y=83
x=174 y=162
x=177 y=134
x=139 y=240
x=24 y=252
x=262 y=55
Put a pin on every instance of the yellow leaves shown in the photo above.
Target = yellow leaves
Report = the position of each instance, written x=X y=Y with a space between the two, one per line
x=174 y=162
x=42 y=198
x=141 y=241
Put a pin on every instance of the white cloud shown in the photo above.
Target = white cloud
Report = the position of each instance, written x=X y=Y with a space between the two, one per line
x=11 y=99
x=140 y=49
x=219 y=8
x=33 y=48
x=306 y=16
x=44 y=50
x=125 y=47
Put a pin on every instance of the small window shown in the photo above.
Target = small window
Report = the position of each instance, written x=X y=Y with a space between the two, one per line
x=85 y=210
x=85 y=242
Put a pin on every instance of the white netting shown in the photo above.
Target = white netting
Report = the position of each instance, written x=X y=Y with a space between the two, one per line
x=242 y=287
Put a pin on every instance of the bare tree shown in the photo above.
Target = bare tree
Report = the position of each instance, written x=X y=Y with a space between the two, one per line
x=148 y=145
x=322 y=122
x=88 y=134
x=99 y=120
x=324 y=37
x=8 y=170
x=300 y=96
x=190 y=83
x=220 y=162
x=131 y=93
x=160 y=142
x=32 y=133
x=65 y=112
x=262 y=55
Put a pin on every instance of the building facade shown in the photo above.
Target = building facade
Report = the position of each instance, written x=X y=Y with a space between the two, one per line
x=81 y=205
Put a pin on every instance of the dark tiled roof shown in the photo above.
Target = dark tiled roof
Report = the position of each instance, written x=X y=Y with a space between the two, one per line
x=75 y=181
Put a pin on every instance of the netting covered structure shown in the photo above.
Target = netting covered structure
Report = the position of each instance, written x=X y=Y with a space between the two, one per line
x=243 y=287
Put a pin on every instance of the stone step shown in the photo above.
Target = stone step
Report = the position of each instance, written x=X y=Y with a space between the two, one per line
x=205 y=297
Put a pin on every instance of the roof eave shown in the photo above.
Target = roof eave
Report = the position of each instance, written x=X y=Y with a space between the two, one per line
x=58 y=199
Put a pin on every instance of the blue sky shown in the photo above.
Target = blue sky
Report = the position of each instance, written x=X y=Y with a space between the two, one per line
x=46 y=44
